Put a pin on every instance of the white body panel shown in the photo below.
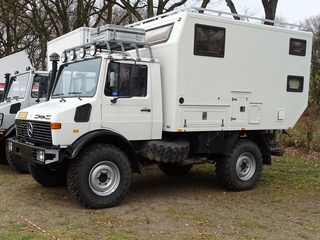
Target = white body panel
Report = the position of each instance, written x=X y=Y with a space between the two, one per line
x=253 y=71
x=74 y=38
x=15 y=62
x=22 y=102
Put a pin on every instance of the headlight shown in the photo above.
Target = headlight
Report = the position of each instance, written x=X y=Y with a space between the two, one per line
x=40 y=155
x=10 y=146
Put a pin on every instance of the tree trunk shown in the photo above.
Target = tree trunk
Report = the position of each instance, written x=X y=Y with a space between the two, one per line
x=232 y=8
x=270 y=7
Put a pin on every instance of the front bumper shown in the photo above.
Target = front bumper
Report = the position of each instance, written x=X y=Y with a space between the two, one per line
x=32 y=154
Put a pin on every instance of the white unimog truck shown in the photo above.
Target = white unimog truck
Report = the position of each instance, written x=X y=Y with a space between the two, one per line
x=21 y=90
x=176 y=90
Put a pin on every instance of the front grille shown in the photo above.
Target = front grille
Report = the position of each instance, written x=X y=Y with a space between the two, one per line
x=41 y=131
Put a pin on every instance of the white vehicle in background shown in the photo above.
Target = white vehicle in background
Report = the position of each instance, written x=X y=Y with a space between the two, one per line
x=21 y=91
x=1 y=90
x=11 y=64
x=175 y=90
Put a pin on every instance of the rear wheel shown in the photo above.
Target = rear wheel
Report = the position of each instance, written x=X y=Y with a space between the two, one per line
x=49 y=177
x=100 y=176
x=174 y=169
x=240 y=170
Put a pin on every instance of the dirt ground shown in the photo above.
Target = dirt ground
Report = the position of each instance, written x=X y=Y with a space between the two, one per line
x=162 y=207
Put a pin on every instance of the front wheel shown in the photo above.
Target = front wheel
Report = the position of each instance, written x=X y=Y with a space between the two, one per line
x=16 y=163
x=100 y=176
x=49 y=177
x=242 y=169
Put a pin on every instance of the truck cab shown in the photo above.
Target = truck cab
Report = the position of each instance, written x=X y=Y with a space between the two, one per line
x=22 y=90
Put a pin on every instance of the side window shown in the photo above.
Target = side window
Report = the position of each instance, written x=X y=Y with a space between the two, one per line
x=297 y=47
x=159 y=35
x=39 y=86
x=126 y=80
x=209 y=41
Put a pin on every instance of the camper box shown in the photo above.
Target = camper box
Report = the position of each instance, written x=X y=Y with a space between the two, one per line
x=74 y=38
x=222 y=74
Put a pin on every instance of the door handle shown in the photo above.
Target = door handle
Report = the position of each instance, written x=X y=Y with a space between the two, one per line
x=145 y=110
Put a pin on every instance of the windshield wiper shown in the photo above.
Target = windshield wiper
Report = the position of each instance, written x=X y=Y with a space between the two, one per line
x=77 y=93
x=61 y=95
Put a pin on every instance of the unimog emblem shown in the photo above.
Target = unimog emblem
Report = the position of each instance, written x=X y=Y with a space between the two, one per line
x=29 y=129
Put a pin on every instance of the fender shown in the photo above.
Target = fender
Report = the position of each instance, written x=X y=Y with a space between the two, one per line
x=105 y=136
x=9 y=131
x=229 y=143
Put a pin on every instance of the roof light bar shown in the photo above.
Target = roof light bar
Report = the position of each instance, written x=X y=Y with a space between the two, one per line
x=93 y=50
x=82 y=52
x=63 y=57
x=72 y=55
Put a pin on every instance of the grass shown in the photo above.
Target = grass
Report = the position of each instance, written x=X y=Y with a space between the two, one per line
x=284 y=205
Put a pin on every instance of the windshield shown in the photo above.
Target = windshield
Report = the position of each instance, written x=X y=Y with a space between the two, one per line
x=77 y=79
x=19 y=86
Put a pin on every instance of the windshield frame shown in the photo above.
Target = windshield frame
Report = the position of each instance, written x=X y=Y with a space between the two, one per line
x=79 y=82
x=21 y=92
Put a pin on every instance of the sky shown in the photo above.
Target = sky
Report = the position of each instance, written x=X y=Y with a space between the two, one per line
x=293 y=11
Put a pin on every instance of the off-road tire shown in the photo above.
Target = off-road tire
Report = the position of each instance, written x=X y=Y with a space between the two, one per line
x=100 y=176
x=48 y=177
x=242 y=169
x=167 y=150
x=17 y=164
x=174 y=169
x=3 y=160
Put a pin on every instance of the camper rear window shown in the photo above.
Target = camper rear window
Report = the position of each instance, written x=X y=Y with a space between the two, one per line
x=297 y=47
x=159 y=35
x=295 y=83
x=209 y=41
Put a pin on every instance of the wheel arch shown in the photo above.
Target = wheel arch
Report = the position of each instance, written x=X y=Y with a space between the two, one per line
x=105 y=136
x=10 y=132
x=258 y=137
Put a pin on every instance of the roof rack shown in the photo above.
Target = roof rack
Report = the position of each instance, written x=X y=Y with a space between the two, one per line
x=117 y=38
x=211 y=11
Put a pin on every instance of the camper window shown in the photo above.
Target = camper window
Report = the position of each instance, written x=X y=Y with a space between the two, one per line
x=295 y=84
x=297 y=47
x=209 y=41
x=159 y=35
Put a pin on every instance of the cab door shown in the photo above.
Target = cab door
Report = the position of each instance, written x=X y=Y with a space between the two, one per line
x=39 y=88
x=126 y=102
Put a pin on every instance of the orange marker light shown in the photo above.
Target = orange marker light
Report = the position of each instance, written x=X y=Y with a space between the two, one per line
x=55 y=125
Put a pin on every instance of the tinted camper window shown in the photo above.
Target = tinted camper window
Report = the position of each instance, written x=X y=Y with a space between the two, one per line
x=297 y=47
x=209 y=41
x=159 y=35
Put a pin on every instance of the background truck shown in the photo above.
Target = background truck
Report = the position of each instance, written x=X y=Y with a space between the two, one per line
x=22 y=90
x=1 y=90
x=10 y=64
x=14 y=62
x=29 y=88
x=175 y=90
x=76 y=37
